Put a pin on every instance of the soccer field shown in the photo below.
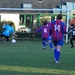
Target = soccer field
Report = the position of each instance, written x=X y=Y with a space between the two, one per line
x=28 y=58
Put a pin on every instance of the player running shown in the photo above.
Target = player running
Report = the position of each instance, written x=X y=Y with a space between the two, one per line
x=45 y=30
x=8 y=30
x=58 y=28
x=48 y=25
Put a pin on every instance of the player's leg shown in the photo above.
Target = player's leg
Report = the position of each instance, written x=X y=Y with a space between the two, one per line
x=71 y=42
x=50 y=43
x=44 y=43
x=3 y=37
x=58 y=53
x=57 y=50
x=6 y=39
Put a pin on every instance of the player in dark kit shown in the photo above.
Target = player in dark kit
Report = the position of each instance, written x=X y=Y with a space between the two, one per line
x=72 y=31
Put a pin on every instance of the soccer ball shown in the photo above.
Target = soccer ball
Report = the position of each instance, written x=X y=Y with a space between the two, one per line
x=13 y=41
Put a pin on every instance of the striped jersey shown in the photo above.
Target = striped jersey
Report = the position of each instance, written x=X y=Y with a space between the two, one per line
x=72 y=30
x=58 y=29
x=45 y=30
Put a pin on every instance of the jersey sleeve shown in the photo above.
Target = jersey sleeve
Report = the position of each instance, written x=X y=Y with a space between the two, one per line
x=13 y=30
x=38 y=30
x=5 y=26
x=63 y=28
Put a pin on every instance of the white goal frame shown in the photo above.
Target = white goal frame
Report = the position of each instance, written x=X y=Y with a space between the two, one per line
x=23 y=9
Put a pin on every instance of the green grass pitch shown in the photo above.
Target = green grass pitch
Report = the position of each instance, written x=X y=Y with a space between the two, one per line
x=28 y=58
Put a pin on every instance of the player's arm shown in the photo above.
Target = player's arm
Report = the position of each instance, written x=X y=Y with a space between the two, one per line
x=63 y=27
x=4 y=25
x=35 y=32
x=69 y=31
x=15 y=34
x=73 y=28
x=38 y=30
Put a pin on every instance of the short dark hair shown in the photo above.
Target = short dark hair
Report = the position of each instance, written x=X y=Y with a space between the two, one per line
x=11 y=24
x=72 y=25
x=45 y=23
x=59 y=17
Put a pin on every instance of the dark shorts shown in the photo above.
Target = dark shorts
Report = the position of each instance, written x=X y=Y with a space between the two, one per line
x=2 y=35
x=46 y=39
x=60 y=43
x=7 y=37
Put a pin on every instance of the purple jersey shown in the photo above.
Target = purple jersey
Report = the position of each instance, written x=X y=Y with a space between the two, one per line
x=58 y=28
x=48 y=24
x=45 y=31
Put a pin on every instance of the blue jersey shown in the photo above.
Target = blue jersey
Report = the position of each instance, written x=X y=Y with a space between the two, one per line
x=8 y=30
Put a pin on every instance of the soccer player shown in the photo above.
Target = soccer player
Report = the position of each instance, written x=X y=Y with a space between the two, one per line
x=58 y=28
x=72 y=31
x=45 y=30
x=48 y=25
x=8 y=31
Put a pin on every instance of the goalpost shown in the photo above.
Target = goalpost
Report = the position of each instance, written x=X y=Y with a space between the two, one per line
x=40 y=10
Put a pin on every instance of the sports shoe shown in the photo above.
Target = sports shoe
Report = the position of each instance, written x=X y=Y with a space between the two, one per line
x=4 y=41
x=53 y=49
x=54 y=60
x=57 y=62
x=44 y=47
x=72 y=46
x=47 y=43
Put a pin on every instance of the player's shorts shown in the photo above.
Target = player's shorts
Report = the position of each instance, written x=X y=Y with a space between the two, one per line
x=7 y=37
x=46 y=39
x=60 y=43
x=73 y=38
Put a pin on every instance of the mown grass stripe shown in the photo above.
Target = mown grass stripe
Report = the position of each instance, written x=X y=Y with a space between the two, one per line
x=36 y=70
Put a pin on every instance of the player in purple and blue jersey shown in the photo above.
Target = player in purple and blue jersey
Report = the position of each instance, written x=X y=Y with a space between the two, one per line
x=48 y=25
x=45 y=30
x=58 y=28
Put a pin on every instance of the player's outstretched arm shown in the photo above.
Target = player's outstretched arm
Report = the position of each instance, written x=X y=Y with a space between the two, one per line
x=3 y=25
x=34 y=34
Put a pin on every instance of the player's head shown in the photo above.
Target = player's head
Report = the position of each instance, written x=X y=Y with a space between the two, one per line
x=59 y=17
x=11 y=24
x=72 y=25
x=45 y=23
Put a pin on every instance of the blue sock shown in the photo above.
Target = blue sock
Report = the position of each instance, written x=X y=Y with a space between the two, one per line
x=58 y=55
x=51 y=46
x=44 y=44
x=55 y=53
